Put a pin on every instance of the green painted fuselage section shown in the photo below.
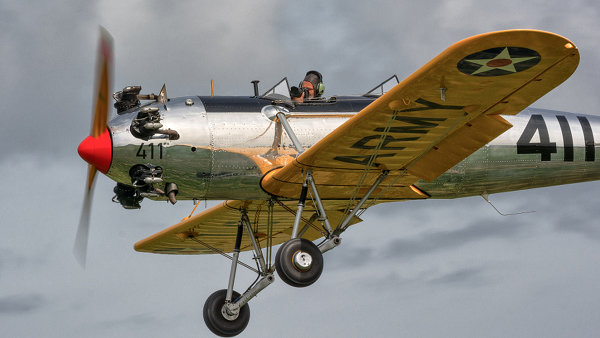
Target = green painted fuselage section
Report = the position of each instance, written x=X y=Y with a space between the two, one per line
x=499 y=167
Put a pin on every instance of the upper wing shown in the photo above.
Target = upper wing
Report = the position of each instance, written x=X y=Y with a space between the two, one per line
x=216 y=227
x=435 y=118
x=422 y=127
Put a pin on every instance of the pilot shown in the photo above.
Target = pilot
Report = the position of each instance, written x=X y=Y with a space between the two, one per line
x=311 y=87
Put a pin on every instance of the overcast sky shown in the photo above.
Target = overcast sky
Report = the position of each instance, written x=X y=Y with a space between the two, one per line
x=416 y=269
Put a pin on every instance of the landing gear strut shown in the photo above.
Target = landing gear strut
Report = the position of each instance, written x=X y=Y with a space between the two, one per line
x=298 y=261
x=226 y=312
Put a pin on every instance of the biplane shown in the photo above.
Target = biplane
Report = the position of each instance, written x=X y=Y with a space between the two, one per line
x=299 y=174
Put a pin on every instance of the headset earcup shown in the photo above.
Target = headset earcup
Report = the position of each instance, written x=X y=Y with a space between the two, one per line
x=320 y=89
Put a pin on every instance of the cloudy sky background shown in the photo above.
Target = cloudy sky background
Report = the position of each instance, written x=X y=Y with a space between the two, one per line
x=427 y=269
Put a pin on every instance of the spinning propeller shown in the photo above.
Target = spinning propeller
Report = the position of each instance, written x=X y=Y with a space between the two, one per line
x=96 y=149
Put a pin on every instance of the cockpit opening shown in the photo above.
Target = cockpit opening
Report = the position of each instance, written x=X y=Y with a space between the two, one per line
x=282 y=93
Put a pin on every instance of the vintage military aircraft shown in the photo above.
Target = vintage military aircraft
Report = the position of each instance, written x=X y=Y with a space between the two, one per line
x=295 y=172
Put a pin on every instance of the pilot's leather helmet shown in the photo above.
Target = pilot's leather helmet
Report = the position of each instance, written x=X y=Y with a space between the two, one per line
x=316 y=79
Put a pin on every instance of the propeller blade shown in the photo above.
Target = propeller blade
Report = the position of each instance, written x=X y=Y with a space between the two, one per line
x=104 y=70
x=83 y=229
x=90 y=178
x=103 y=78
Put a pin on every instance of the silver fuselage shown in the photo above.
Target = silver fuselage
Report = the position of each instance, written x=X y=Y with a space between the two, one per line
x=226 y=145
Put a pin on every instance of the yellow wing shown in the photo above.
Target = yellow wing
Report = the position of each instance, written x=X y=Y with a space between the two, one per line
x=217 y=227
x=435 y=118
x=422 y=127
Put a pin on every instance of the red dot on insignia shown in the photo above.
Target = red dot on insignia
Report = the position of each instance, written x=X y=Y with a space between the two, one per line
x=499 y=63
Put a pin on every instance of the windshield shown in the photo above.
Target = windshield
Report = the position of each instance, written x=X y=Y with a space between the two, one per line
x=280 y=91
x=383 y=87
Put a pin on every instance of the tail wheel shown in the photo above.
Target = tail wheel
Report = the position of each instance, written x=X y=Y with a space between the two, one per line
x=217 y=319
x=299 y=262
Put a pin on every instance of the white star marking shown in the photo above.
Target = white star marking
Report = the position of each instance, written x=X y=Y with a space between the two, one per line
x=508 y=66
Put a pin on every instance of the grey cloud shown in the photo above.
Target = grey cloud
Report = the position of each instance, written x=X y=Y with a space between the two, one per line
x=584 y=226
x=443 y=240
x=355 y=256
x=351 y=258
x=11 y=261
x=468 y=277
x=391 y=279
x=463 y=277
x=42 y=68
x=574 y=212
x=18 y=304
x=140 y=319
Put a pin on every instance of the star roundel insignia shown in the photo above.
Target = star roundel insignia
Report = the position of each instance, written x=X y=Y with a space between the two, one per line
x=499 y=61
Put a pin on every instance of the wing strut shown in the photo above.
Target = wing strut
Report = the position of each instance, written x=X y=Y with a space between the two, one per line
x=257 y=251
x=320 y=208
x=332 y=240
x=290 y=131
x=347 y=220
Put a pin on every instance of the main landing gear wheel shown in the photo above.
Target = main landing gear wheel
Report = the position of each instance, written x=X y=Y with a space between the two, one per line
x=219 y=321
x=299 y=262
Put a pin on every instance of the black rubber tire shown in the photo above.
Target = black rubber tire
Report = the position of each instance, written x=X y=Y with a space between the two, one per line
x=217 y=323
x=285 y=266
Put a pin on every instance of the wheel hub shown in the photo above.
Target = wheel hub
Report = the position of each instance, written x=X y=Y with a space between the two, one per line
x=228 y=313
x=302 y=260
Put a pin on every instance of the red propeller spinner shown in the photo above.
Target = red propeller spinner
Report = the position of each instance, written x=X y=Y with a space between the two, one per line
x=97 y=151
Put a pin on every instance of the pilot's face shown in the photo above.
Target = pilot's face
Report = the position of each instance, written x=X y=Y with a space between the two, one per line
x=310 y=88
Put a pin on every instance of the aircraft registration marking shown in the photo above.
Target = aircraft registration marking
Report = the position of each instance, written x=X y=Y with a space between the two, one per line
x=537 y=125
x=141 y=152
